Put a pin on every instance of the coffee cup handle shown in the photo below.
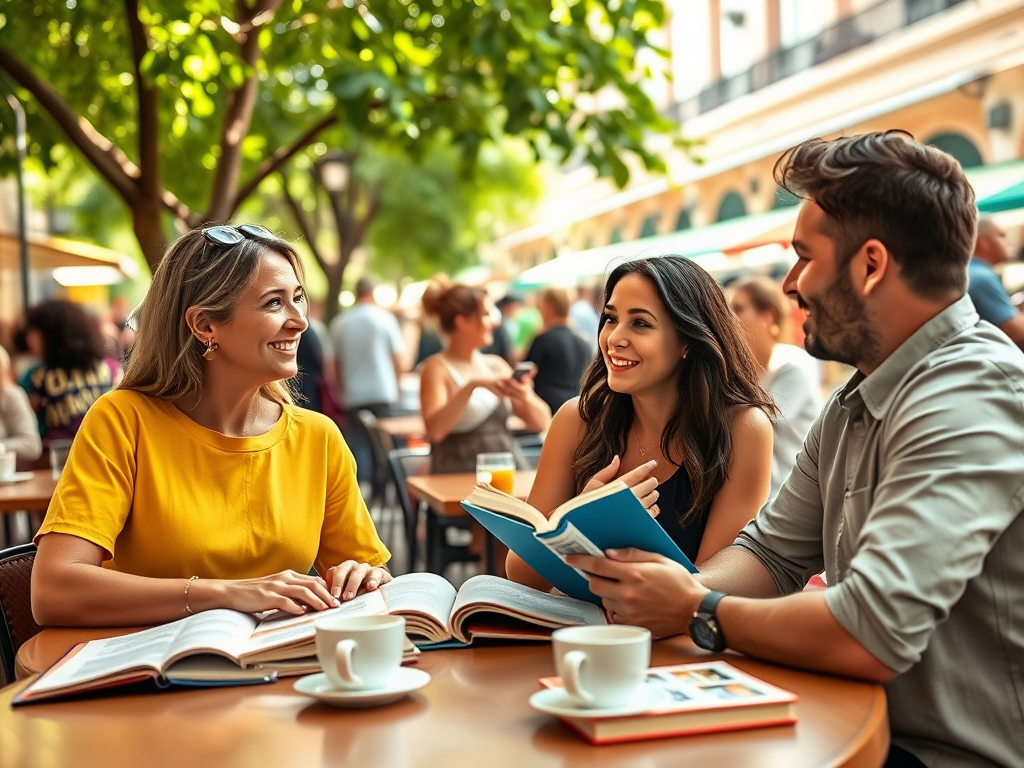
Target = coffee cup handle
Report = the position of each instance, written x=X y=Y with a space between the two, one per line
x=571 y=663
x=343 y=662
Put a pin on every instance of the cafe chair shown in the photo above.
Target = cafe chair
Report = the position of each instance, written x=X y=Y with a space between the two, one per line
x=529 y=447
x=16 y=622
x=438 y=554
x=380 y=476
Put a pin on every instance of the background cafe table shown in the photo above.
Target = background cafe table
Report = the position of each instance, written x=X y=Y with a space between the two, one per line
x=442 y=493
x=474 y=711
x=30 y=495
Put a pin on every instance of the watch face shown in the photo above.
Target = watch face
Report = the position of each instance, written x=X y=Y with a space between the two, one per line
x=703 y=635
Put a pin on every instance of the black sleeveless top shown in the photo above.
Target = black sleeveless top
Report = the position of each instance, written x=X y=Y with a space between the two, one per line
x=674 y=499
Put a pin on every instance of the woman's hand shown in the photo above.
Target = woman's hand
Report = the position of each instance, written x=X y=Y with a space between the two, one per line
x=344 y=580
x=287 y=591
x=643 y=483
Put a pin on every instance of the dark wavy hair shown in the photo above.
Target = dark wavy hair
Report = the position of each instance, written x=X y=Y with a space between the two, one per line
x=912 y=197
x=72 y=338
x=718 y=374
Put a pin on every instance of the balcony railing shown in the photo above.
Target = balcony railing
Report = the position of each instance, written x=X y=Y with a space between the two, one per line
x=845 y=35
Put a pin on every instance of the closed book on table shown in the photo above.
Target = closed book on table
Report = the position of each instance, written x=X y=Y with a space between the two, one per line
x=703 y=697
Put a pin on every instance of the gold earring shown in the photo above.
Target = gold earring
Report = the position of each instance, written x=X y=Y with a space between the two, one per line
x=211 y=350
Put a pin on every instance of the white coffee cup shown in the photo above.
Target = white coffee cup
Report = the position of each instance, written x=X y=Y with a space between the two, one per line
x=602 y=667
x=360 y=652
x=8 y=461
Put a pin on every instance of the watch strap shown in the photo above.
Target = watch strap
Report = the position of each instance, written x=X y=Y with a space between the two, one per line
x=709 y=604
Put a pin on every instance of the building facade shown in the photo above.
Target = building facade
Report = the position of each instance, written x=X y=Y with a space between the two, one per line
x=749 y=78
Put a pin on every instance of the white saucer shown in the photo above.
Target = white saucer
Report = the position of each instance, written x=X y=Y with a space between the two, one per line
x=17 y=477
x=405 y=681
x=555 y=701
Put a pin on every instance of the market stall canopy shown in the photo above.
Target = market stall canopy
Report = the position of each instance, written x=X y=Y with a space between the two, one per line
x=721 y=244
x=1009 y=199
x=49 y=253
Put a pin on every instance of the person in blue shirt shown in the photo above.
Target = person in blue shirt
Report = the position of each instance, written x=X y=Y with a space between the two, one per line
x=985 y=287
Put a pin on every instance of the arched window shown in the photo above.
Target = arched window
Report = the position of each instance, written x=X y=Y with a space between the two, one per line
x=732 y=207
x=650 y=225
x=683 y=221
x=959 y=146
x=616 y=235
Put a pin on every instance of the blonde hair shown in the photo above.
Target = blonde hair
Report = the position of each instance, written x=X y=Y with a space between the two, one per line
x=766 y=296
x=558 y=299
x=445 y=301
x=166 y=359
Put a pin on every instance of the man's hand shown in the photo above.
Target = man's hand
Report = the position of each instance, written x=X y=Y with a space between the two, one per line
x=643 y=589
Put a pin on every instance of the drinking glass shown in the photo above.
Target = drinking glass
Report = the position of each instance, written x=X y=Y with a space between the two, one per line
x=498 y=469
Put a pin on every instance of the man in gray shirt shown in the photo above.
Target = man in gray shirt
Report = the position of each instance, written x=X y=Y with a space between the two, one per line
x=909 y=487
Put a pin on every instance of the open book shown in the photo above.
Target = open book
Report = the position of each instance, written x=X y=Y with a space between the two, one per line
x=212 y=648
x=609 y=517
x=703 y=697
x=483 y=607
x=224 y=647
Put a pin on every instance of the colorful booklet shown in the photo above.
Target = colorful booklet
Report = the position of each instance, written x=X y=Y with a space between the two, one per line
x=609 y=517
x=704 y=697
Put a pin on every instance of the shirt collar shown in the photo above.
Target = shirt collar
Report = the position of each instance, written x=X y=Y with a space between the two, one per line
x=878 y=390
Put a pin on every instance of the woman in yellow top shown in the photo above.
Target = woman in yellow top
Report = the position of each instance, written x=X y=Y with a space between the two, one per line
x=196 y=484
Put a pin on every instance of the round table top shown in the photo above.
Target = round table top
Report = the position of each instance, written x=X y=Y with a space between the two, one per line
x=33 y=494
x=474 y=710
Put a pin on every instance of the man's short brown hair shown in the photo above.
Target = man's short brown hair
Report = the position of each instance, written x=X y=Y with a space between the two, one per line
x=914 y=198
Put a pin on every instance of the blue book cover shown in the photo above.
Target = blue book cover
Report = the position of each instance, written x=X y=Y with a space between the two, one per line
x=609 y=518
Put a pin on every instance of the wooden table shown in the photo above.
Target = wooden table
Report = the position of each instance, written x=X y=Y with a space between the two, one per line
x=31 y=495
x=442 y=493
x=474 y=712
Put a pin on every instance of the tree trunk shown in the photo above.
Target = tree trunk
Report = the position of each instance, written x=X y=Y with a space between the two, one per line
x=147 y=221
x=335 y=274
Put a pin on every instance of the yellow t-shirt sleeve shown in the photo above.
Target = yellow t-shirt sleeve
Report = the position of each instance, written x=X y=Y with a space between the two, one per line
x=348 y=532
x=94 y=494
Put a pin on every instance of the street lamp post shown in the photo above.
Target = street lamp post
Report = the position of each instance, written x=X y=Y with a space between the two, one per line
x=20 y=147
x=335 y=168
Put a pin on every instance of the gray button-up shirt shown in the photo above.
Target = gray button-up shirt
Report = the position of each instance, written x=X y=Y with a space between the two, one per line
x=908 y=493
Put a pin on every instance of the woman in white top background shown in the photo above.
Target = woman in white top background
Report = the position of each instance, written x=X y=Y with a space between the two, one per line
x=789 y=374
x=466 y=396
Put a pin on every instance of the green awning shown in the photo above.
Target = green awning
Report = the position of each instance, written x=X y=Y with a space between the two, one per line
x=1009 y=199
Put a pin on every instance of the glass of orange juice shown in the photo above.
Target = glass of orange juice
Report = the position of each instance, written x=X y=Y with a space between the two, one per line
x=498 y=469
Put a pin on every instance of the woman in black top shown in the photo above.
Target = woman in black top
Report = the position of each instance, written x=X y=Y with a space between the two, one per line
x=672 y=394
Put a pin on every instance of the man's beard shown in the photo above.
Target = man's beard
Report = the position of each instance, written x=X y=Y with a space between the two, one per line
x=842 y=331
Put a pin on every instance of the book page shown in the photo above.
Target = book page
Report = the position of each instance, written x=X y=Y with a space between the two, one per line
x=100 y=658
x=571 y=541
x=221 y=631
x=281 y=630
x=488 y=497
x=426 y=594
x=490 y=593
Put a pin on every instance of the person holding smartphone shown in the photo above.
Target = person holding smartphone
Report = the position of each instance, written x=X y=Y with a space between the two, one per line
x=466 y=397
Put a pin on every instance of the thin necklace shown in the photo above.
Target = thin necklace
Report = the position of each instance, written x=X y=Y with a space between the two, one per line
x=255 y=413
x=643 y=453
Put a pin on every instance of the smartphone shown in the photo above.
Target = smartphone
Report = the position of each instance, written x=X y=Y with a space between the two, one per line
x=522 y=369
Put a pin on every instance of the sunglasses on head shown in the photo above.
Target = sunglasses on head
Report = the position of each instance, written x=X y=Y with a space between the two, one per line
x=227 y=236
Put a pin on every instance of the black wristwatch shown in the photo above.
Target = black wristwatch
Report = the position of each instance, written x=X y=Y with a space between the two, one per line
x=704 y=629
